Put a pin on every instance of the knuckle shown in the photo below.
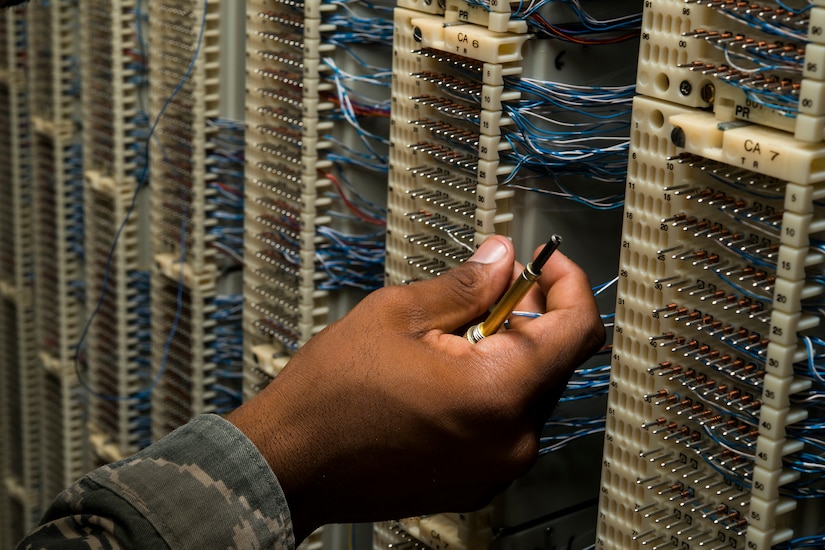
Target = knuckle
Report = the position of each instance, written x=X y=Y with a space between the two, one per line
x=391 y=303
x=386 y=295
x=585 y=331
x=465 y=280
x=524 y=454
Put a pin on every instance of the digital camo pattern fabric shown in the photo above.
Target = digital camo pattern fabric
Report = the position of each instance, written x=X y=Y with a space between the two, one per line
x=203 y=486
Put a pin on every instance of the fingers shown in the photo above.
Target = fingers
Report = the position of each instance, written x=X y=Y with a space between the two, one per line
x=571 y=330
x=462 y=294
x=543 y=352
x=566 y=286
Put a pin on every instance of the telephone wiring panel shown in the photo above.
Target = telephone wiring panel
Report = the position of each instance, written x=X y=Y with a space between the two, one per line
x=713 y=418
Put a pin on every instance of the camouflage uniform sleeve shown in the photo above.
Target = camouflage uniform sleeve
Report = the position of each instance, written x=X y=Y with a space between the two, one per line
x=203 y=486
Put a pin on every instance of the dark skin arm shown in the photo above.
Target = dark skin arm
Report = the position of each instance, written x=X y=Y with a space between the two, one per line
x=391 y=412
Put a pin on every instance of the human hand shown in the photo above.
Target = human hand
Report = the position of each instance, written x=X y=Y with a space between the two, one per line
x=390 y=412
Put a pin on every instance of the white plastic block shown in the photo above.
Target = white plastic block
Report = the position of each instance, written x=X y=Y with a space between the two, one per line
x=490 y=195
x=816 y=24
x=814 y=65
x=495 y=15
x=788 y=294
x=795 y=229
x=812 y=96
x=774 y=153
x=776 y=393
x=489 y=147
x=488 y=172
x=784 y=327
x=769 y=453
x=468 y=40
x=780 y=359
x=810 y=128
x=458 y=10
x=492 y=121
x=492 y=97
x=792 y=262
x=487 y=220
x=755 y=148
x=170 y=265
x=767 y=483
x=763 y=513
x=313 y=28
x=313 y=9
x=772 y=422
x=799 y=198
x=269 y=358
x=501 y=22
x=439 y=533
x=701 y=131
x=759 y=539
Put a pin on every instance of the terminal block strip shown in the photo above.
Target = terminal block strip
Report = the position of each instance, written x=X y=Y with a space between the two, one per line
x=444 y=194
x=286 y=202
x=19 y=382
x=114 y=167
x=196 y=202
x=720 y=290
x=717 y=299
x=58 y=235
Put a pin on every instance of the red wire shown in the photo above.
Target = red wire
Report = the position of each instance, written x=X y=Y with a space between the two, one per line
x=363 y=216
x=542 y=22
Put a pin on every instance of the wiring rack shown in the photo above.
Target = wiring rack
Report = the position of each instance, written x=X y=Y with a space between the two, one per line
x=19 y=381
x=117 y=275
x=58 y=235
x=713 y=426
x=196 y=205
x=285 y=194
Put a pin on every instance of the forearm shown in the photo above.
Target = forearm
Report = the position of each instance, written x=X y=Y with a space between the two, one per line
x=204 y=486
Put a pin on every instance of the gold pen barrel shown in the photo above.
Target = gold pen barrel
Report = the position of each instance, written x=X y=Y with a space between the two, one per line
x=505 y=306
x=508 y=302
x=514 y=295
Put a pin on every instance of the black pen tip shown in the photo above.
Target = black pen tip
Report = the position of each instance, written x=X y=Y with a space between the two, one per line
x=545 y=253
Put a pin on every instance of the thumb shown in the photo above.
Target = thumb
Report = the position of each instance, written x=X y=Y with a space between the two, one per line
x=460 y=295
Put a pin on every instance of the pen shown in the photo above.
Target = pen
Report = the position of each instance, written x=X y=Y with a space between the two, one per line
x=514 y=294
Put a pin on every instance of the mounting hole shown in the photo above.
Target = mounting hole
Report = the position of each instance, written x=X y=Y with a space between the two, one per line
x=662 y=82
x=643 y=78
x=657 y=119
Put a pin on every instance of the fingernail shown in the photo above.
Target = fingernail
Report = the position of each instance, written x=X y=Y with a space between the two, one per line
x=490 y=251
